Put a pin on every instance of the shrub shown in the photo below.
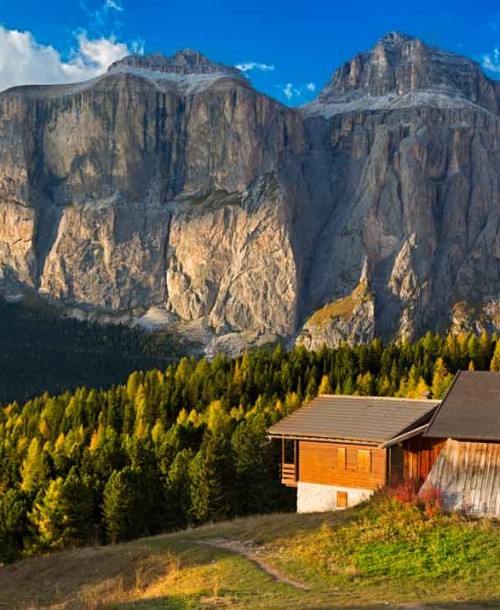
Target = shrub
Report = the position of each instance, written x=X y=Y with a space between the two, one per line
x=404 y=492
x=431 y=499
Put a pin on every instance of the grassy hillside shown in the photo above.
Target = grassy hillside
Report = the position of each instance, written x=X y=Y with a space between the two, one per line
x=383 y=554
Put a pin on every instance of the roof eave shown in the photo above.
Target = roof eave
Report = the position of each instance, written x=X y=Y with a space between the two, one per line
x=324 y=439
x=403 y=437
x=471 y=439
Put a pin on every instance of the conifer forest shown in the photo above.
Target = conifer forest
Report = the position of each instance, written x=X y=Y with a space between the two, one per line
x=187 y=443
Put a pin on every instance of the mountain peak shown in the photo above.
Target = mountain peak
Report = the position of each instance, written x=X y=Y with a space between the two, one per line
x=395 y=38
x=184 y=62
x=400 y=66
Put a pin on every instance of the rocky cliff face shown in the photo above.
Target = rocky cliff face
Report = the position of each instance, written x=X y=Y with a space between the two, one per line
x=162 y=183
x=410 y=135
x=171 y=188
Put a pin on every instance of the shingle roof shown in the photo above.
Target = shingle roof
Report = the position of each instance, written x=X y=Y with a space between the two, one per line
x=470 y=409
x=355 y=418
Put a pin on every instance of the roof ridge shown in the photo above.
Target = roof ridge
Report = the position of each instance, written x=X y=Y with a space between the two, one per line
x=424 y=400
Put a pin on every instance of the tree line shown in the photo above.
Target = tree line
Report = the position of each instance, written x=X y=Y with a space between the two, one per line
x=187 y=445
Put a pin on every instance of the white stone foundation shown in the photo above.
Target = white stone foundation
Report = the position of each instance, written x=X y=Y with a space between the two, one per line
x=316 y=498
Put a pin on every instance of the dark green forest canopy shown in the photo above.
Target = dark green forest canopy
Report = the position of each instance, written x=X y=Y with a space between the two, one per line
x=40 y=352
x=187 y=443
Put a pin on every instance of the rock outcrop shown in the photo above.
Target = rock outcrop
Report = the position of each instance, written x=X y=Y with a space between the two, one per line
x=170 y=185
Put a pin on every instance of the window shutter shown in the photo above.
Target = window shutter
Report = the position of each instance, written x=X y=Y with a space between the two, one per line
x=341 y=458
x=364 y=460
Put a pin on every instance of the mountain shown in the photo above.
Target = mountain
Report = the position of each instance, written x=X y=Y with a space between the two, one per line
x=169 y=191
x=409 y=141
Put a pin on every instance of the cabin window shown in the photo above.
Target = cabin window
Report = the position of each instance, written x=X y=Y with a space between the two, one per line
x=288 y=451
x=341 y=458
x=341 y=499
x=364 y=460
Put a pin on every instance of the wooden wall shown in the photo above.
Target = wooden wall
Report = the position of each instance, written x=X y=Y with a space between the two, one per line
x=419 y=455
x=467 y=474
x=319 y=463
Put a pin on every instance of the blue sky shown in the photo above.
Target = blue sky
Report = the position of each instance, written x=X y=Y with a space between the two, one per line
x=296 y=43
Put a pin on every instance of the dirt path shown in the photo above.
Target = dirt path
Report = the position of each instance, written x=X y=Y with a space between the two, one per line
x=248 y=550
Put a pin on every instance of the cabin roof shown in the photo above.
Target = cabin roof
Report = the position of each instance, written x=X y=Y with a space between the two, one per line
x=471 y=408
x=354 y=418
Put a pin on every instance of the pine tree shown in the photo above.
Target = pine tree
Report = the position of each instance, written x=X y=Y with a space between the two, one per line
x=441 y=379
x=324 y=386
x=13 y=524
x=141 y=410
x=133 y=383
x=62 y=516
x=495 y=361
x=485 y=351
x=212 y=475
x=257 y=477
x=349 y=386
x=421 y=390
x=178 y=501
x=366 y=384
x=128 y=505
x=34 y=470
x=473 y=352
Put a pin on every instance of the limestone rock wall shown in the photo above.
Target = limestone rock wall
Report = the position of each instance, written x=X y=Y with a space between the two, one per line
x=173 y=184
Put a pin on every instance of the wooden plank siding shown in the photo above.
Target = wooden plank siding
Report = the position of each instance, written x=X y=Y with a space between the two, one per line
x=419 y=455
x=395 y=464
x=468 y=476
x=323 y=463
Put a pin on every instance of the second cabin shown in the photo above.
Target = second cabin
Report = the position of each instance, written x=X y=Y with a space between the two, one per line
x=337 y=450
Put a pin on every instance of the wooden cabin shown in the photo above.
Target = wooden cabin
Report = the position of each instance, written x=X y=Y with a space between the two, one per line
x=337 y=450
x=467 y=470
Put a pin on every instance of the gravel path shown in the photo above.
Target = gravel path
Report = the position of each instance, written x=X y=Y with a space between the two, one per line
x=248 y=550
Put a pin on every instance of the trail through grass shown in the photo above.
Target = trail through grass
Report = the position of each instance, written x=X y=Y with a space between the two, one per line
x=381 y=555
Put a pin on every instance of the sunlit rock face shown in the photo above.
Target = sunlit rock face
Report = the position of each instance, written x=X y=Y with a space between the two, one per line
x=170 y=184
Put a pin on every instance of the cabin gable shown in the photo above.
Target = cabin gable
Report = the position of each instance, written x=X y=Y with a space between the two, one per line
x=466 y=473
x=466 y=476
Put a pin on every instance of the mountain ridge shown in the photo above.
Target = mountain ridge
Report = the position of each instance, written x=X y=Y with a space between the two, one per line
x=170 y=185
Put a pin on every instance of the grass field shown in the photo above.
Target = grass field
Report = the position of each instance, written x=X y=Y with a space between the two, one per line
x=381 y=555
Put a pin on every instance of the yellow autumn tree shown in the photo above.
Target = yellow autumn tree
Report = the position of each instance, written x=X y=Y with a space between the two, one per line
x=325 y=386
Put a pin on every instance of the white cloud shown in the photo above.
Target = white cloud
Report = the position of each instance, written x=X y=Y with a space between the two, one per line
x=103 y=16
x=290 y=91
x=253 y=65
x=23 y=61
x=491 y=61
x=113 y=4
x=298 y=93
